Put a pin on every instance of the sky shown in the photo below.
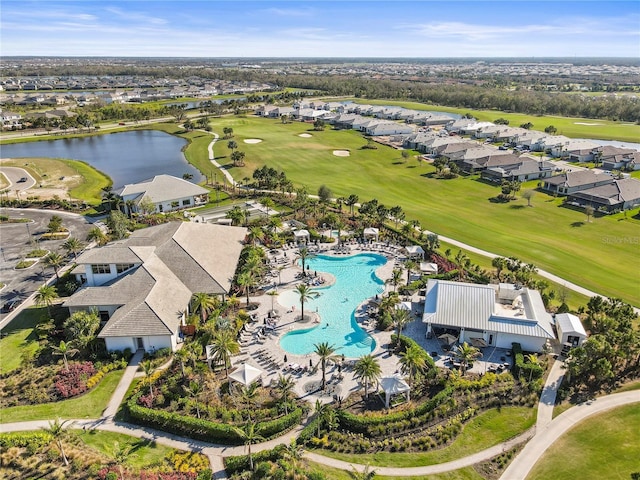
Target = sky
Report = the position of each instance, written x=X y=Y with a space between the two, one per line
x=371 y=28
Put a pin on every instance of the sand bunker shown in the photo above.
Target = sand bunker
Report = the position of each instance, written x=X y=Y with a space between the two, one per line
x=305 y=135
x=252 y=140
x=587 y=124
x=341 y=153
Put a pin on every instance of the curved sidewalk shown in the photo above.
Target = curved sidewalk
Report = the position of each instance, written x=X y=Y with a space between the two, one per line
x=524 y=462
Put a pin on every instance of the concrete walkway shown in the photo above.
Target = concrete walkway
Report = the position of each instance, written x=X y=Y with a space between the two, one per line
x=548 y=396
x=523 y=463
x=121 y=390
x=212 y=159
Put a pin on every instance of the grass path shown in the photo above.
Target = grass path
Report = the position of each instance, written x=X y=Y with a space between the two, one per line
x=549 y=235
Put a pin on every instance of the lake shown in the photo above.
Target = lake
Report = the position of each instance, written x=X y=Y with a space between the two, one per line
x=127 y=157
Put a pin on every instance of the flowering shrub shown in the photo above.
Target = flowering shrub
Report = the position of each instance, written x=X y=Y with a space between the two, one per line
x=95 y=379
x=72 y=382
x=107 y=473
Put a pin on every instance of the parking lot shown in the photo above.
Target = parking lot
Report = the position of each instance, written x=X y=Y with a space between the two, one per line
x=17 y=239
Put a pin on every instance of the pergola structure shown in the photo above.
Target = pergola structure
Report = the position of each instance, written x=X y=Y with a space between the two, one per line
x=301 y=235
x=371 y=233
x=246 y=374
x=394 y=385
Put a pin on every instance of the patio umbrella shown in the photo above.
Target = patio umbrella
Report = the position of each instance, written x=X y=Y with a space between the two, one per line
x=447 y=337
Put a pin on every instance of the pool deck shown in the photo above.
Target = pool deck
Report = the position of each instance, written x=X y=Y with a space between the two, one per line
x=266 y=353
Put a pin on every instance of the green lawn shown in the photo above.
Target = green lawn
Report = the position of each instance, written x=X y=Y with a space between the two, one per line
x=568 y=126
x=600 y=255
x=89 y=405
x=90 y=190
x=145 y=454
x=487 y=429
x=20 y=338
x=604 y=446
x=336 y=474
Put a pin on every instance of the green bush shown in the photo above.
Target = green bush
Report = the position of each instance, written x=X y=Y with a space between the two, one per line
x=31 y=440
x=240 y=463
x=526 y=370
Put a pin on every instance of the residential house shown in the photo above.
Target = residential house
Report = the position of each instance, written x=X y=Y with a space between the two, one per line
x=142 y=286
x=166 y=192
x=389 y=128
x=570 y=329
x=614 y=158
x=498 y=314
x=571 y=182
x=495 y=159
x=615 y=196
x=526 y=169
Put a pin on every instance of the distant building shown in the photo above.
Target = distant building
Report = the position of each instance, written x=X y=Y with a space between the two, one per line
x=166 y=192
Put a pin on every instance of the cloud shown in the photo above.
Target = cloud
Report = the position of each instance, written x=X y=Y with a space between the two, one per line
x=136 y=16
x=473 y=32
x=290 y=12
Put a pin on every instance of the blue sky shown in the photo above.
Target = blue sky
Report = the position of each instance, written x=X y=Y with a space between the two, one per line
x=205 y=28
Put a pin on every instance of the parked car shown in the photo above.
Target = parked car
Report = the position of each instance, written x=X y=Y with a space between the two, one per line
x=22 y=179
x=10 y=305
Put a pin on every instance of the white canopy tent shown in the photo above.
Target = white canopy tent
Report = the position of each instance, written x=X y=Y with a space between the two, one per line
x=414 y=251
x=371 y=232
x=394 y=385
x=429 y=268
x=246 y=374
x=300 y=235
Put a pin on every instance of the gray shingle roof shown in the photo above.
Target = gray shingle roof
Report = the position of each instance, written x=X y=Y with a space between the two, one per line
x=162 y=188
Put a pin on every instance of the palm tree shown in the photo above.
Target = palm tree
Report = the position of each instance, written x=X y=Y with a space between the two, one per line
x=320 y=409
x=73 y=246
x=284 y=386
x=499 y=263
x=246 y=280
x=396 y=276
x=46 y=295
x=249 y=436
x=400 y=318
x=64 y=349
x=589 y=211
x=351 y=202
x=303 y=256
x=232 y=145
x=224 y=345
x=466 y=354
x=248 y=395
x=182 y=356
x=204 y=304
x=365 y=474
x=194 y=390
x=460 y=260
x=148 y=368
x=305 y=293
x=325 y=352
x=410 y=265
x=368 y=369
x=256 y=234
x=237 y=158
x=532 y=358
x=121 y=453
x=97 y=235
x=236 y=214
x=58 y=431
x=54 y=260
x=413 y=361
x=294 y=453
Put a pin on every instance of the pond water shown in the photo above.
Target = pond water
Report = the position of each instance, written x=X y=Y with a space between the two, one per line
x=127 y=157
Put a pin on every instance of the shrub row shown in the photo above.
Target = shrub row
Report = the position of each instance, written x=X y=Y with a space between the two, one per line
x=95 y=378
x=361 y=423
x=524 y=369
x=31 y=440
x=204 y=429
x=240 y=463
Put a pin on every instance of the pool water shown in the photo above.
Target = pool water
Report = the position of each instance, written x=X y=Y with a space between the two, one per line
x=355 y=282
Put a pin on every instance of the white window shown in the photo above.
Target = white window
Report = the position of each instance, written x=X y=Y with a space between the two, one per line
x=101 y=268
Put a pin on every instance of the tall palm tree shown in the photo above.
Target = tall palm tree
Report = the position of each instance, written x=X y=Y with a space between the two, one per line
x=246 y=280
x=224 y=345
x=294 y=453
x=499 y=263
x=396 y=277
x=466 y=354
x=256 y=234
x=121 y=453
x=46 y=295
x=96 y=235
x=182 y=356
x=400 y=318
x=351 y=202
x=237 y=157
x=194 y=390
x=249 y=436
x=236 y=214
x=305 y=293
x=303 y=256
x=73 y=246
x=248 y=395
x=413 y=361
x=284 y=386
x=411 y=266
x=55 y=261
x=232 y=145
x=65 y=350
x=58 y=431
x=368 y=369
x=204 y=304
x=325 y=352
x=320 y=410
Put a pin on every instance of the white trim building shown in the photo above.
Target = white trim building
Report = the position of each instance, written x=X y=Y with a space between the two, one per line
x=167 y=193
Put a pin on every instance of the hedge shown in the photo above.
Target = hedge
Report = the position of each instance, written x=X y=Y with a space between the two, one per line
x=240 y=463
x=31 y=440
x=359 y=423
x=206 y=430
x=524 y=369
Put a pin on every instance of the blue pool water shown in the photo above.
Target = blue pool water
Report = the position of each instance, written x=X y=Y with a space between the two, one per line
x=355 y=282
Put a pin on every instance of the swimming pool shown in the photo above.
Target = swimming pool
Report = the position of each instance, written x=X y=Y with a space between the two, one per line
x=355 y=282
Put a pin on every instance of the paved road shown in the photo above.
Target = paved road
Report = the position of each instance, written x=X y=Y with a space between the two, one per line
x=524 y=462
x=14 y=174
